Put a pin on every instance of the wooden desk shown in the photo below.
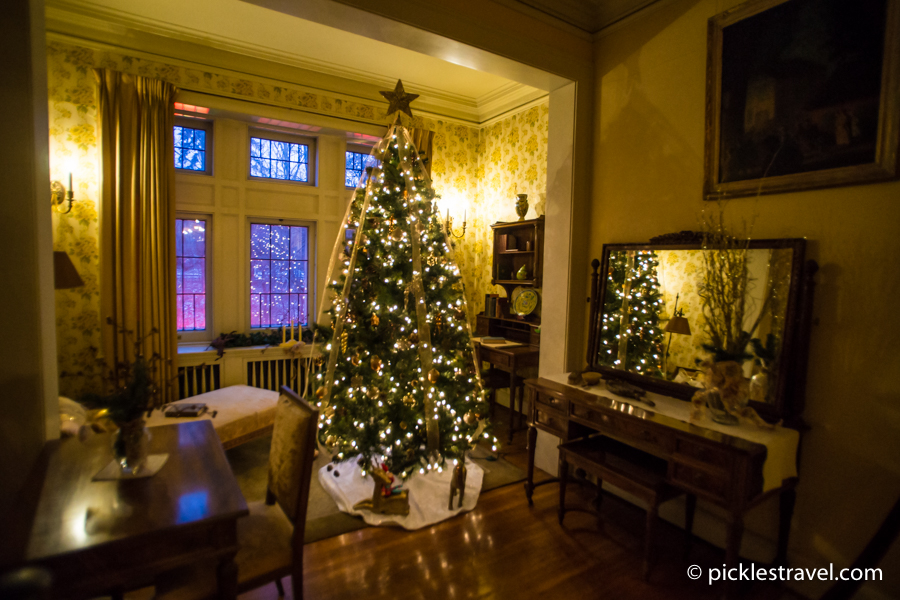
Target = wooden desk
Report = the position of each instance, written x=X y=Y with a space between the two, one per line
x=510 y=359
x=722 y=469
x=97 y=536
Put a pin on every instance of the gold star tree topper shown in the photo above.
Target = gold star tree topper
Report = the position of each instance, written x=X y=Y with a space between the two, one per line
x=399 y=99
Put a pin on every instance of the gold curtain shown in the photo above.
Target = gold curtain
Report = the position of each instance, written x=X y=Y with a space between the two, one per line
x=137 y=245
x=422 y=139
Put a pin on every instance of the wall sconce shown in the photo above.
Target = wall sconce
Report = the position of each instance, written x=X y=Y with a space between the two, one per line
x=58 y=195
x=449 y=222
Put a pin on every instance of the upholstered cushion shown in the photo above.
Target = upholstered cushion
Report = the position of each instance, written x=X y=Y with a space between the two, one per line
x=264 y=554
x=289 y=452
x=240 y=410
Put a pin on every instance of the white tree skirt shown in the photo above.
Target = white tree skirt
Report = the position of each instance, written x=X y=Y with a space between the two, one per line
x=429 y=494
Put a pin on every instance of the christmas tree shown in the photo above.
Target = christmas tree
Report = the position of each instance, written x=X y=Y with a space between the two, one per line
x=630 y=336
x=400 y=388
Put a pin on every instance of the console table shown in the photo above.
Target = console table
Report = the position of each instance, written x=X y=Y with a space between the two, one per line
x=735 y=467
x=102 y=536
x=509 y=357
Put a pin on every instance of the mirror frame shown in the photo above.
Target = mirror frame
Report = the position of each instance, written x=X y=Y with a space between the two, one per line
x=789 y=393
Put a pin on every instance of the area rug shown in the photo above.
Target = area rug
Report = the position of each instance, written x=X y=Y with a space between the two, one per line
x=323 y=519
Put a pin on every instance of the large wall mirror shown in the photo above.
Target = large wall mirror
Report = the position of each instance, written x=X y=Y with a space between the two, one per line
x=659 y=310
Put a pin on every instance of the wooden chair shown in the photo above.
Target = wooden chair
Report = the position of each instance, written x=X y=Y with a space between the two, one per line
x=629 y=469
x=270 y=539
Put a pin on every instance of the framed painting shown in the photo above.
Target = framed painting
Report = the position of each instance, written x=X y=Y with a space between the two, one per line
x=801 y=94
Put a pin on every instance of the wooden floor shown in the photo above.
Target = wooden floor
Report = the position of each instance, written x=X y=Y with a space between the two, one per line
x=506 y=549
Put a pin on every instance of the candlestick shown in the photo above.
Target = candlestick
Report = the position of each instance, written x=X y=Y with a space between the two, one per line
x=70 y=183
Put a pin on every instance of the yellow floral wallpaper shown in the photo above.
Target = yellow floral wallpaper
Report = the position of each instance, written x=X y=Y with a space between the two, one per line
x=478 y=171
x=73 y=149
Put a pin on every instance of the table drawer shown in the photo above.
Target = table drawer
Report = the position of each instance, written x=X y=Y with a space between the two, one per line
x=496 y=358
x=633 y=429
x=593 y=417
x=703 y=482
x=550 y=420
x=703 y=453
x=545 y=401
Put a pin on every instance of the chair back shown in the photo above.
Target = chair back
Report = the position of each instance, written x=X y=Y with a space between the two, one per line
x=291 y=457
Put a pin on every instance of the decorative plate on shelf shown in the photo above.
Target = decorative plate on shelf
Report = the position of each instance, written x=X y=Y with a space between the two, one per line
x=525 y=301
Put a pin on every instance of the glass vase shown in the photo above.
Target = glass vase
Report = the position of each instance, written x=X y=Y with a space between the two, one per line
x=131 y=445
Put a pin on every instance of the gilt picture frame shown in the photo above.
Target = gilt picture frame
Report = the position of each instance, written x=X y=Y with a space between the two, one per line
x=801 y=94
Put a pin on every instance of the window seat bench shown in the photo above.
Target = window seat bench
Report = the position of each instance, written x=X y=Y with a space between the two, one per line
x=242 y=413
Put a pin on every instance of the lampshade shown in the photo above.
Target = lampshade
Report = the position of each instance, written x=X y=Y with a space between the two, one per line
x=64 y=273
x=678 y=325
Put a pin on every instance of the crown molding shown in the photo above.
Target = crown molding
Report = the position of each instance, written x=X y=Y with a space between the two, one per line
x=85 y=23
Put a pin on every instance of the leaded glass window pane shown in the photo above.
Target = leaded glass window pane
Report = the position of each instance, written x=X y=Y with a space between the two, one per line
x=279 y=272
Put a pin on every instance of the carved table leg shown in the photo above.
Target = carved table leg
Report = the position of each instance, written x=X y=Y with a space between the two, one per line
x=513 y=381
x=690 y=507
x=226 y=575
x=649 y=534
x=529 y=479
x=563 y=479
x=732 y=551
x=786 y=502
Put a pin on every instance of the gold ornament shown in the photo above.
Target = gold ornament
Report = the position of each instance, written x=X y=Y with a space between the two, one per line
x=403 y=425
x=432 y=260
x=403 y=344
x=330 y=441
x=397 y=234
x=375 y=363
x=328 y=412
x=373 y=393
x=470 y=418
x=320 y=393
x=375 y=320
x=438 y=323
x=409 y=400
x=354 y=360
x=414 y=338
x=433 y=375
x=344 y=342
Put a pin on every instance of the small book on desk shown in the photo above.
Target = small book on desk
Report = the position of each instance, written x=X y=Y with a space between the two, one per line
x=185 y=410
x=492 y=340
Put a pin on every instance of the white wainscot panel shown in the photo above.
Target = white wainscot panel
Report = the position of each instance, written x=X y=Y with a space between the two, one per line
x=200 y=193
x=290 y=202
x=230 y=197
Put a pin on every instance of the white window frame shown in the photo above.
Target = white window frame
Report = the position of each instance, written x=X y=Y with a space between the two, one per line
x=312 y=261
x=201 y=335
x=359 y=149
x=206 y=126
x=312 y=165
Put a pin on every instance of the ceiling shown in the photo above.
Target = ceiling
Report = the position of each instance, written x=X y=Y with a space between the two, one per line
x=588 y=15
x=251 y=30
x=337 y=60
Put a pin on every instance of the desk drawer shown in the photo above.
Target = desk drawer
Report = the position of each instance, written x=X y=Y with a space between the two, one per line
x=496 y=358
x=634 y=429
x=551 y=421
x=592 y=416
x=698 y=480
x=703 y=453
x=558 y=404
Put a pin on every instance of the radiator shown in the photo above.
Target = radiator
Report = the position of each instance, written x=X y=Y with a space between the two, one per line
x=198 y=379
x=272 y=373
